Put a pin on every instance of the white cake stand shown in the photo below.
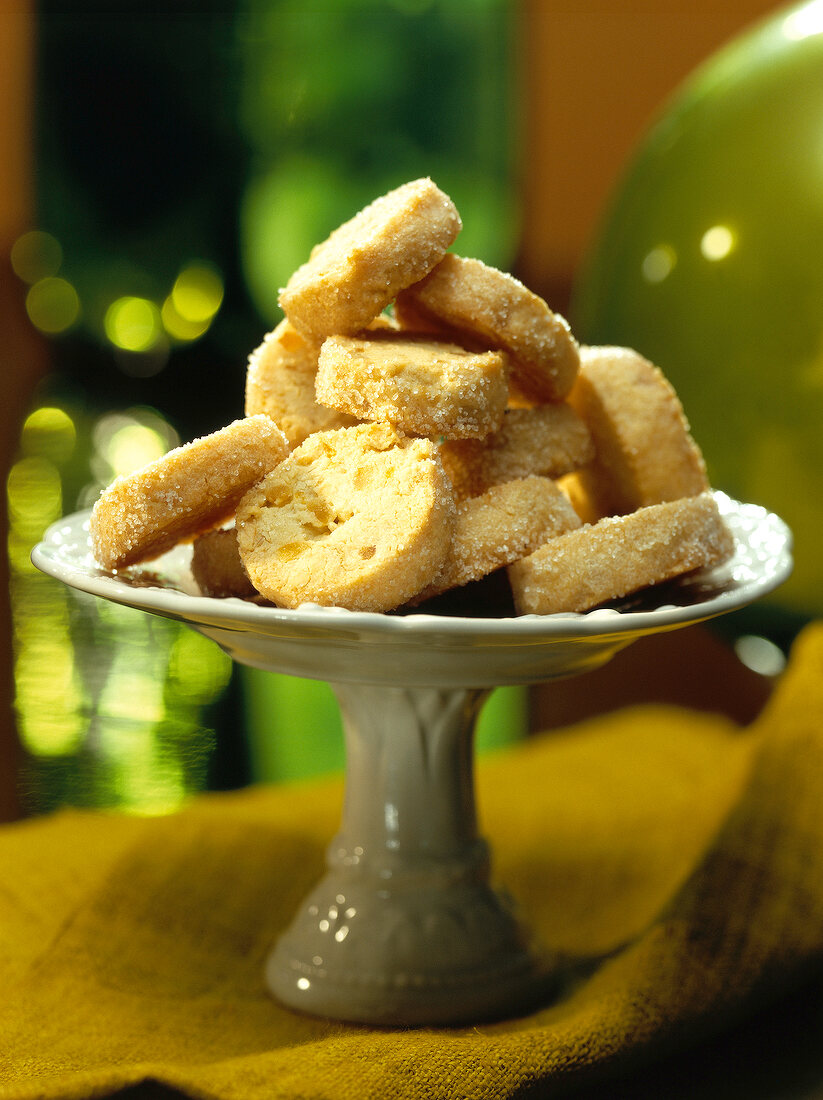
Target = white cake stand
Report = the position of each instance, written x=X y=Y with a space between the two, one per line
x=406 y=928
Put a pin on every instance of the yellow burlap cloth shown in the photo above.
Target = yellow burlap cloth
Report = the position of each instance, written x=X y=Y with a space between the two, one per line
x=685 y=853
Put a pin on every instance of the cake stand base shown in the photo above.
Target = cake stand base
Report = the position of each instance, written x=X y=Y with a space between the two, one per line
x=405 y=928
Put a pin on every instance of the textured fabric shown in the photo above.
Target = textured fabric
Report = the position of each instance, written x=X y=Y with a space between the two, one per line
x=677 y=858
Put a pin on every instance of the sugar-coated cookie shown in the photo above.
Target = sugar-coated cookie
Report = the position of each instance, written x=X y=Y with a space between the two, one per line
x=356 y=272
x=280 y=383
x=359 y=518
x=484 y=304
x=620 y=554
x=501 y=526
x=186 y=491
x=546 y=440
x=422 y=386
x=644 y=452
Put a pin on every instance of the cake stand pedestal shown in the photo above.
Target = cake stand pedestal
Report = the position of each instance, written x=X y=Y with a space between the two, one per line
x=405 y=927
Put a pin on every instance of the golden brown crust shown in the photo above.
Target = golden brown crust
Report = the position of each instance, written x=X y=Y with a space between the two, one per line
x=500 y=527
x=359 y=518
x=216 y=565
x=484 y=304
x=280 y=383
x=421 y=386
x=644 y=451
x=546 y=440
x=619 y=555
x=186 y=491
x=357 y=271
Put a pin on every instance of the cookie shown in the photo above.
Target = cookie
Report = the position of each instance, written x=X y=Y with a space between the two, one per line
x=546 y=440
x=358 y=270
x=421 y=386
x=644 y=452
x=484 y=304
x=359 y=518
x=216 y=565
x=280 y=383
x=500 y=527
x=620 y=554
x=186 y=491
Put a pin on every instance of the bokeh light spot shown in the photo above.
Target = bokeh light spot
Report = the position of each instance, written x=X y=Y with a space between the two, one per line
x=760 y=654
x=35 y=496
x=53 y=305
x=36 y=255
x=133 y=324
x=177 y=326
x=717 y=242
x=658 y=263
x=132 y=446
x=197 y=293
x=49 y=431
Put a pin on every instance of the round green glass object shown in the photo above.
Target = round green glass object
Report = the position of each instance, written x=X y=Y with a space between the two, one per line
x=710 y=262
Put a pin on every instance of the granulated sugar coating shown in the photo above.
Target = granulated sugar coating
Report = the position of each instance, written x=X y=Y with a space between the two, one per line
x=422 y=386
x=494 y=308
x=186 y=491
x=359 y=517
x=500 y=527
x=547 y=440
x=358 y=270
x=620 y=555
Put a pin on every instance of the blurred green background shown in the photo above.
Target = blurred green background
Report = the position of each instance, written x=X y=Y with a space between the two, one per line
x=186 y=160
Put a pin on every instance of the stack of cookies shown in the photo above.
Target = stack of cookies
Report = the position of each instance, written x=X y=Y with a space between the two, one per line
x=419 y=421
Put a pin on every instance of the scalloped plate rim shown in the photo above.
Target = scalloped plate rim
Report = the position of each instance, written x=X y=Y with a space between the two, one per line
x=79 y=573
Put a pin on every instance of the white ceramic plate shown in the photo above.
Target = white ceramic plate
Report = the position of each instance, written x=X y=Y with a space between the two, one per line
x=420 y=648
